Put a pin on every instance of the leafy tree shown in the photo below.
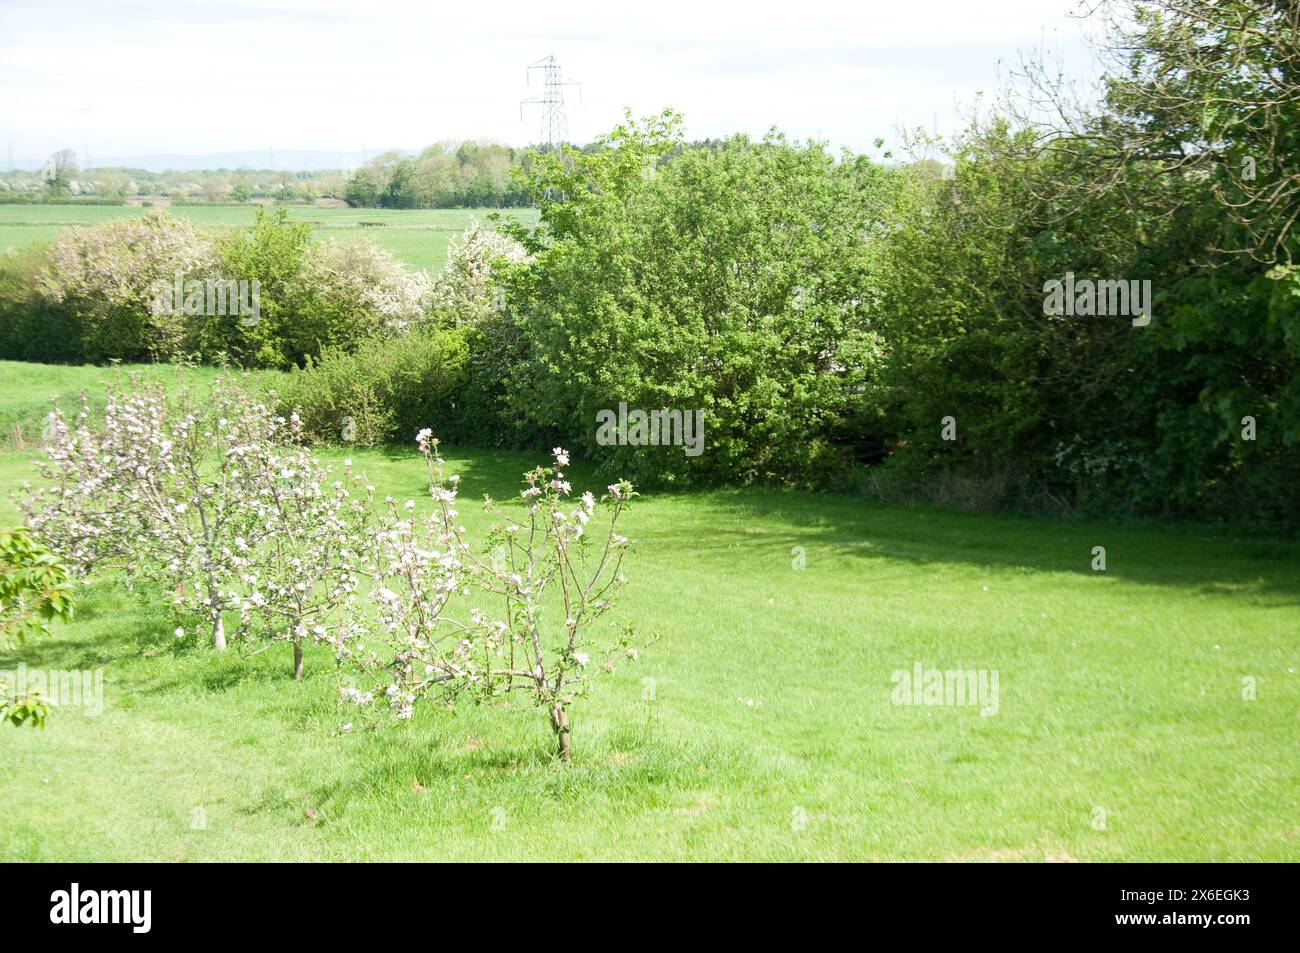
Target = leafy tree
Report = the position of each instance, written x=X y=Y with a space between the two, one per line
x=271 y=252
x=726 y=281
x=34 y=591
x=59 y=169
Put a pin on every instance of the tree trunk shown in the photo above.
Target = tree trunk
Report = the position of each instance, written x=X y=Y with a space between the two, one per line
x=219 y=634
x=297 y=661
x=560 y=722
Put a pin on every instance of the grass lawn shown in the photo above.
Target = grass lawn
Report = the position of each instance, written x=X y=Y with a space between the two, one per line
x=771 y=733
x=419 y=237
x=28 y=391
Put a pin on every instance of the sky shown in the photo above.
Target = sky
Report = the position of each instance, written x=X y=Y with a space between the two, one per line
x=191 y=77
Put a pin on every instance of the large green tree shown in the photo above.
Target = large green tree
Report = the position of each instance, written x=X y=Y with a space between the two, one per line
x=730 y=281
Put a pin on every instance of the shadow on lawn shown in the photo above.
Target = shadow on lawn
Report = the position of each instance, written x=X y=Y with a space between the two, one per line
x=136 y=633
x=768 y=523
x=498 y=473
x=765 y=523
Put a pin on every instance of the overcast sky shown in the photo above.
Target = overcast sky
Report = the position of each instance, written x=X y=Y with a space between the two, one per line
x=195 y=77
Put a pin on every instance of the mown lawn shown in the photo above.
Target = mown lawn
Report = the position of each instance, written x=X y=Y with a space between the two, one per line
x=770 y=733
x=418 y=237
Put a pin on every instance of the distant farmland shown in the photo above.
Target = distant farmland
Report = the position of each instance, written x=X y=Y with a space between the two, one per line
x=418 y=237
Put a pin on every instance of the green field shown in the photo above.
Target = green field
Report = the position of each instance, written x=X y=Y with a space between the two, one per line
x=771 y=733
x=419 y=237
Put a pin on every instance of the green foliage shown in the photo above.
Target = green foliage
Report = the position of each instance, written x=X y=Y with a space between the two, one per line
x=21 y=709
x=486 y=411
x=106 y=292
x=383 y=391
x=32 y=329
x=271 y=252
x=34 y=587
x=1086 y=412
x=727 y=281
x=34 y=592
x=475 y=175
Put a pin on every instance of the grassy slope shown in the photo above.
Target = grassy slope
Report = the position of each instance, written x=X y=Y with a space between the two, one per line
x=28 y=391
x=1119 y=690
x=419 y=237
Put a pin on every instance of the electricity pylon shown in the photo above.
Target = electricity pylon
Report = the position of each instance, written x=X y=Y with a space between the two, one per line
x=554 y=127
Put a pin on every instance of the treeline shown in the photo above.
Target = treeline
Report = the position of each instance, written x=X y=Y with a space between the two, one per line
x=471 y=175
x=900 y=328
x=43 y=198
x=65 y=183
x=1102 y=318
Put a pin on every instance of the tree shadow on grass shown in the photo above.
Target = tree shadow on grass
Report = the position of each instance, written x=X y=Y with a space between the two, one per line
x=223 y=672
x=137 y=635
x=1206 y=559
x=497 y=473
x=765 y=523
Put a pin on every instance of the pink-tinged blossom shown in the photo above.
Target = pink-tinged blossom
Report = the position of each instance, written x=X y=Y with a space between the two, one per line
x=418 y=649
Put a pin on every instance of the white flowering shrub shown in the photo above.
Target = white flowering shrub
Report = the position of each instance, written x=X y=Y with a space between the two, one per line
x=466 y=290
x=81 y=509
x=543 y=586
x=352 y=289
x=179 y=496
x=315 y=528
x=105 y=277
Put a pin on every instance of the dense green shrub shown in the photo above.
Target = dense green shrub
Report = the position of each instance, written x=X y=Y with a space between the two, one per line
x=117 y=291
x=31 y=328
x=271 y=252
x=1085 y=413
x=486 y=412
x=726 y=281
x=385 y=390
